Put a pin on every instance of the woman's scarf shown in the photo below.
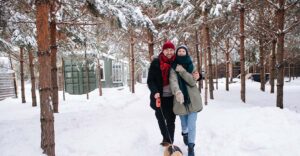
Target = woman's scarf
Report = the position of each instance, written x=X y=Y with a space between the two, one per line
x=187 y=64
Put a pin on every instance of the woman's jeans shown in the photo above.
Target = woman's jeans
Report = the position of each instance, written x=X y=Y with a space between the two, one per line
x=188 y=125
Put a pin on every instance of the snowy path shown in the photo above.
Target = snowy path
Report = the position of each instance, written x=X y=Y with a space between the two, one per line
x=121 y=123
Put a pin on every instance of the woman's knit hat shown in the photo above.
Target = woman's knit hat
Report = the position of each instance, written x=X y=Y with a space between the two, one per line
x=168 y=44
x=182 y=47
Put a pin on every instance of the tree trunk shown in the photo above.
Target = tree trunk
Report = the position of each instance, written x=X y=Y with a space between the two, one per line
x=46 y=115
x=280 y=53
x=198 y=59
x=14 y=76
x=261 y=66
x=31 y=67
x=272 y=65
x=150 y=45
x=216 y=71
x=86 y=82
x=63 y=77
x=206 y=69
x=261 y=49
x=201 y=56
x=22 y=74
x=99 y=77
x=242 y=52
x=227 y=63
x=290 y=74
x=53 y=48
x=231 y=70
x=208 y=50
x=132 y=62
x=293 y=71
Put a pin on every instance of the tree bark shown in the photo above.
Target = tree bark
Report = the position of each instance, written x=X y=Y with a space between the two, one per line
x=150 y=45
x=208 y=50
x=63 y=77
x=198 y=59
x=201 y=57
x=261 y=65
x=261 y=49
x=293 y=71
x=46 y=115
x=22 y=74
x=206 y=69
x=132 y=62
x=53 y=48
x=272 y=65
x=14 y=77
x=231 y=70
x=290 y=74
x=99 y=77
x=216 y=71
x=242 y=51
x=86 y=83
x=280 y=53
x=227 y=63
x=31 y=67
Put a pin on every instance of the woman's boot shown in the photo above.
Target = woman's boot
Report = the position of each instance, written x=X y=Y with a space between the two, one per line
x=191 y=149
x=185 y=138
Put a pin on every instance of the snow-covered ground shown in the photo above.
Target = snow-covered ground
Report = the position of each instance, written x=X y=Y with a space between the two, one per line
x=122 y=123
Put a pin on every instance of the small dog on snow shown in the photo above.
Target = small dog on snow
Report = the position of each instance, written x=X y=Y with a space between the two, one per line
x=172 y=150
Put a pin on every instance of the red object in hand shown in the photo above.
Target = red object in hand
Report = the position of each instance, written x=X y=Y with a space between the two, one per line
x=158 y=102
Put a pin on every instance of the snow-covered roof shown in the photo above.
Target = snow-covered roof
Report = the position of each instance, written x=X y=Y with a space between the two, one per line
x=5 y=65
x=94 y=53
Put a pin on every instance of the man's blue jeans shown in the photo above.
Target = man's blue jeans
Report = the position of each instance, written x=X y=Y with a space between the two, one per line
x=188 y=125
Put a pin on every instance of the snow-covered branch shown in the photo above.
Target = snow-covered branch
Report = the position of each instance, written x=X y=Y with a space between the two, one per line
x=292 y=26
x=273 y=4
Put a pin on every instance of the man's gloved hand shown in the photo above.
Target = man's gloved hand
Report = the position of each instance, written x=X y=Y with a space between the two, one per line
x=156 y=95
x=179 y=97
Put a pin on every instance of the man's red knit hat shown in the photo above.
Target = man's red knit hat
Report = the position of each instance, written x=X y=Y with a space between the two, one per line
x=168 y=44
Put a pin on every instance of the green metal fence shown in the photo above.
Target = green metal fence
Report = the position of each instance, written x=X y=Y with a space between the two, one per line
x=76 y=79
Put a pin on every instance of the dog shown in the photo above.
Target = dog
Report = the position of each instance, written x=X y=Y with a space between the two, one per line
x=172 y=150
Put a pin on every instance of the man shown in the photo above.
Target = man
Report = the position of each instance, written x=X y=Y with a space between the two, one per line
x=158 y=83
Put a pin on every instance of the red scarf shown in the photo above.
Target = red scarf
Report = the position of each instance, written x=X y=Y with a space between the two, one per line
x=165 y=65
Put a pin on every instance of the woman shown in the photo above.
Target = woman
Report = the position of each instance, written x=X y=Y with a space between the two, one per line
x=187 y=99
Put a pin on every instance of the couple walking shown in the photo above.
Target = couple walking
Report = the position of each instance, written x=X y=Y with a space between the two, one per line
x=172 y=78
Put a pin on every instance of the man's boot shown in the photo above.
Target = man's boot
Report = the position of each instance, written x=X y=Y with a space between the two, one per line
x=185 y=138
x=191 y=149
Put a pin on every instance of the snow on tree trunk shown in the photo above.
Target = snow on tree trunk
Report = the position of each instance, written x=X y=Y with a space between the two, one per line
x=208 y=50
x=53 y=48
x=46 y=115
x=242 y=51
x=280 y=53
x=22 y=74
x=32 y=77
